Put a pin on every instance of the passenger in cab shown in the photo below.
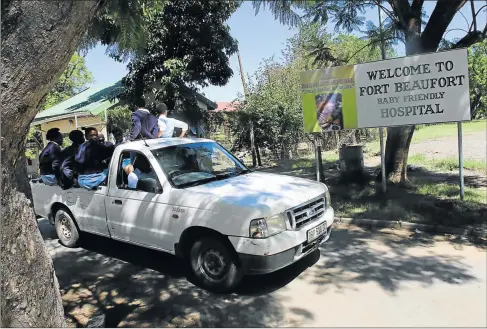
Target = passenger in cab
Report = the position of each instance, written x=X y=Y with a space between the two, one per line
x=69 y=167
x=92 y=158
x=50 y=157
x=167 y=125
x=140 y=170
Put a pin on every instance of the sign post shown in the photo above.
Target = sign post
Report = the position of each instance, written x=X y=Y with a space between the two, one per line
x=319 y=163
x=381 y=130
x=460 y=161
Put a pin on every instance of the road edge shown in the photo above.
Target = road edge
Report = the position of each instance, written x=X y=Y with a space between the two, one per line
x=429 y=228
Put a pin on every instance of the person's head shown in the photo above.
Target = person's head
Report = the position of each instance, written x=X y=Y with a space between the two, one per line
x=91 y=134
x=139 y=103
x=101 y=138
x=54 y=135
x=118 y=134
x=161 y=109
x=77 y=137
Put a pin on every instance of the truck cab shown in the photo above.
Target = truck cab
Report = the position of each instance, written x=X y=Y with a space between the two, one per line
x=194 y=199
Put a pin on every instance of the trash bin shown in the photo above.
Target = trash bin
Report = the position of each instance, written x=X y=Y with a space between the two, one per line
x=352 y=163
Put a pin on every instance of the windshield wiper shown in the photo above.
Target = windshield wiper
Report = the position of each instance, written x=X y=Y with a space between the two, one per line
x=204 y=181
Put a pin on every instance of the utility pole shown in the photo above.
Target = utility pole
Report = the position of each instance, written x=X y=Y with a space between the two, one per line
x=251 y=123
x=381 y=130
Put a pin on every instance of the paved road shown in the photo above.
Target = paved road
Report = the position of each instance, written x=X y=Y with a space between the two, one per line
x=359 y=278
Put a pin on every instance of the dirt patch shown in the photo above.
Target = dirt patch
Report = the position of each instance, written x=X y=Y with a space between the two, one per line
x=474 y=147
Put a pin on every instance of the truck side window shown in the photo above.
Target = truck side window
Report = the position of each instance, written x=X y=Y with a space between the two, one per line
x=141 y=174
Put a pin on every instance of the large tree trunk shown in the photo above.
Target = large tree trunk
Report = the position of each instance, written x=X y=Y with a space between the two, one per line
x=38 y=39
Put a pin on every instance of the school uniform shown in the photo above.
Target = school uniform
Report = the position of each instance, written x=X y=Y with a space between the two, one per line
x=144 y=126
x=69 y=167
x=49 y=163
x=92 y=159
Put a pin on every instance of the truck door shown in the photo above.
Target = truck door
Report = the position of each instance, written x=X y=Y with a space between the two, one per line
x=135 y=214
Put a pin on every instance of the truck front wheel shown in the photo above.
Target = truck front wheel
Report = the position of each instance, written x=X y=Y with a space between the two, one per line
x=66 y=229
x=214 y=266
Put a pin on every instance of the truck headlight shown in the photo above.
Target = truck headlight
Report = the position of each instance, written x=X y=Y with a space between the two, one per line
x=266 y=227
x=327 y=198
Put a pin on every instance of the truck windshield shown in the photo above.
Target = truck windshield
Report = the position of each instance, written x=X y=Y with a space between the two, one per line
x=194 y=164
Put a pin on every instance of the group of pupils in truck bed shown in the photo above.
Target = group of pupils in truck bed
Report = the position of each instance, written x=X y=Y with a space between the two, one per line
x=85 y=162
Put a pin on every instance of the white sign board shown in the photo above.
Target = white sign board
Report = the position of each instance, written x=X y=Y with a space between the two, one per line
x=419 y=89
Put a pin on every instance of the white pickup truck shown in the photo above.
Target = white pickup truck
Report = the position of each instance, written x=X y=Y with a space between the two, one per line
x=196 y=200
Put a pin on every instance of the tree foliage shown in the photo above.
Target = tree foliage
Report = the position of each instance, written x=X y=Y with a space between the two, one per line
x=189 y=45
x=477 y=64
x=72 y=81
x=122 y=26
x=273 y=103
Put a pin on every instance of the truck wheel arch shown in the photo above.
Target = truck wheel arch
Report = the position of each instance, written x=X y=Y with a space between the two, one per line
x=191 y=234
x=56 y=206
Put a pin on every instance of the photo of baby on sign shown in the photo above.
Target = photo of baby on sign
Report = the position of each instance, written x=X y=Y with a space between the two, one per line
x=329 y=111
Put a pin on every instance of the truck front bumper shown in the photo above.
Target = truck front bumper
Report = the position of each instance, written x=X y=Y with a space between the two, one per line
x=261 y=256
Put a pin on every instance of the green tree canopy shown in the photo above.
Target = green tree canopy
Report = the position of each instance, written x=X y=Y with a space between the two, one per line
x=189 y=45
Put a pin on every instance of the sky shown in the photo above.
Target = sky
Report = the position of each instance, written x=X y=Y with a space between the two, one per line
x=259 y=37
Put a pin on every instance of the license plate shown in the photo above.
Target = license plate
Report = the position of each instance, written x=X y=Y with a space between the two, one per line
x=316 y=232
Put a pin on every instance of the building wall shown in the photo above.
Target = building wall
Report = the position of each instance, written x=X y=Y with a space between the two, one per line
x=69 y=124
x=32 y=166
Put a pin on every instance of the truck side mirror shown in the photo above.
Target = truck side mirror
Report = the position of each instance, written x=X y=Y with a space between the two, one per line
x=149 y=185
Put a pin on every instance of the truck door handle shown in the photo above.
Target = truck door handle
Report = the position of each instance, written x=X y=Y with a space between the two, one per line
x=117 y=201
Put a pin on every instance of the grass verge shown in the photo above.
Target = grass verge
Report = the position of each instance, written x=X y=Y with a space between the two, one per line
x=448 y=164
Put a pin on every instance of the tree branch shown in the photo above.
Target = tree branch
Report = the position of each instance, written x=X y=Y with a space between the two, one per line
x=402 y=9
x=474 y=18
x=367 y=45
x=439 y=21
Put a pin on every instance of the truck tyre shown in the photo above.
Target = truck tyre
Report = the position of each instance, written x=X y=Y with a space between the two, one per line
x=66 y=229
x=214 y=266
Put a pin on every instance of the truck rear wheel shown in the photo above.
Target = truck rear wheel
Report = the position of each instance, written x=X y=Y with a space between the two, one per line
x=214 y=266
x=66 y=229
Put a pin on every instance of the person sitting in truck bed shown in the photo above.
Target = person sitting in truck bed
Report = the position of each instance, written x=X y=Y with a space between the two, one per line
x=69 y=167
x=92 y=158
x=50 y=157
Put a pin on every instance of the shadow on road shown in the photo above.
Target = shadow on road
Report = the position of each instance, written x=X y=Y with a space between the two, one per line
x=134 y=286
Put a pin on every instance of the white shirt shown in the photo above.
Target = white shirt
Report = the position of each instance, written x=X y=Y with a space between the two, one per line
x=167 y=125
x=135 y=175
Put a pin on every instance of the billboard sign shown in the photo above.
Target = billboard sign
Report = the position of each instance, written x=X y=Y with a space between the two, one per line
x=419 y=89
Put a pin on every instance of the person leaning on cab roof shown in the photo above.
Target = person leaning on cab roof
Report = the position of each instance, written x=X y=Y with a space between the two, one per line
x=144 y=126
x=167 y=125
x=50 y=158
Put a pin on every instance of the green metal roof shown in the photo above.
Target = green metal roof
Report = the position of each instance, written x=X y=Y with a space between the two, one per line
x=93 y=100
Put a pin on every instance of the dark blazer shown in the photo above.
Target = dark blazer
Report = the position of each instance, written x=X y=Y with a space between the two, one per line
x=144 y=124
x=50 y=160
x=69 y=167
x=90 y=157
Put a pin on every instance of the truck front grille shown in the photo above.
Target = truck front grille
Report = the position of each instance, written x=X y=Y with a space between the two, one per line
x=306 y=213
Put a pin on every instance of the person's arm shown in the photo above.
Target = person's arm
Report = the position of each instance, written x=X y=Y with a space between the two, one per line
x=56 y=160
x=136 y=126
x=81 y=155
x=162 y=127
x=182 y=125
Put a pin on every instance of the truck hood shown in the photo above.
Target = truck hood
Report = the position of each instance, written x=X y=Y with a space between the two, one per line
x=254 y=194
